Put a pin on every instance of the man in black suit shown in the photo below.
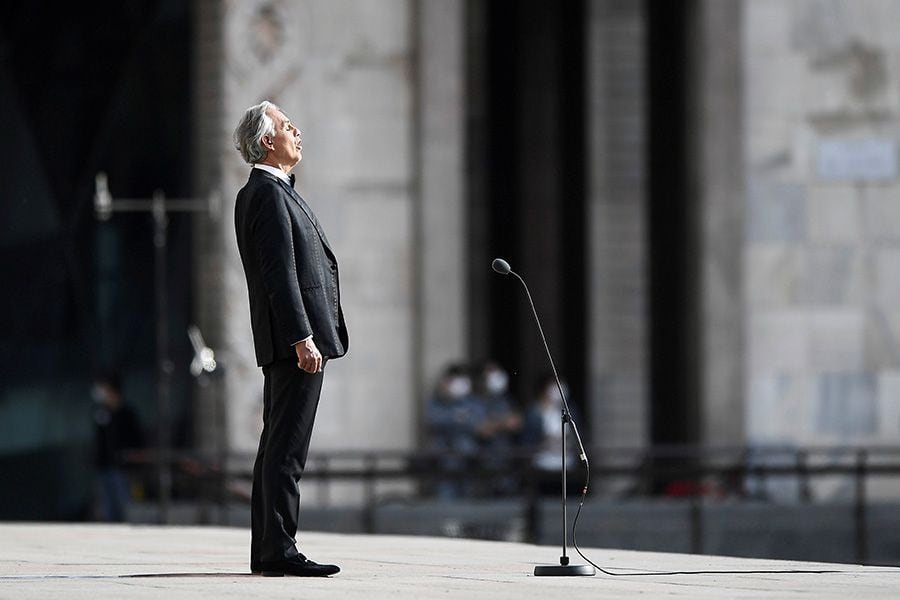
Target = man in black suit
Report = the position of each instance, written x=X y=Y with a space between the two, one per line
x=297 y=323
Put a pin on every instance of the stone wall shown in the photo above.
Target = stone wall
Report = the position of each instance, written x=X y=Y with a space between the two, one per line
x=822 y=239
x=800 y=266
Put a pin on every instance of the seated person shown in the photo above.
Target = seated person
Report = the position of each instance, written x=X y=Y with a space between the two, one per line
x=452 y=416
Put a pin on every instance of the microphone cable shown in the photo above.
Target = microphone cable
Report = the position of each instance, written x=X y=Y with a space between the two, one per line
x=587 y=480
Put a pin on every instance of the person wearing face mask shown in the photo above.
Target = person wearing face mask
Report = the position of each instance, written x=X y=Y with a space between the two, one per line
x=453 y=415
x=542 y=434
x=500 y=425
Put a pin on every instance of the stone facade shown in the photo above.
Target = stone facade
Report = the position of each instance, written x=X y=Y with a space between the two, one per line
x=799 y=334
x=822 y=249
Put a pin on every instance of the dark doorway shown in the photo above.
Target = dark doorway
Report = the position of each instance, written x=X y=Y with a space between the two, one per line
x=672 y=254
x=526 y=170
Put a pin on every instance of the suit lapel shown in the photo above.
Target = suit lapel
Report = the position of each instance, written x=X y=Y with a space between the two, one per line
x=306 y=210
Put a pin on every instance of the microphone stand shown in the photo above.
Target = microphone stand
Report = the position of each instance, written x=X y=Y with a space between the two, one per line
x=563 y=568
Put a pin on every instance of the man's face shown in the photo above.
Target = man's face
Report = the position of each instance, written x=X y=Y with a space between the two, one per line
x=286 y=146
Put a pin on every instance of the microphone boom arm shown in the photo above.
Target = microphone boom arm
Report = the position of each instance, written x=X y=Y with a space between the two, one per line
x=568 y=413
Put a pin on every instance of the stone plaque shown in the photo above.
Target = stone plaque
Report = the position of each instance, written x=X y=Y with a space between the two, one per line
x=857 y=160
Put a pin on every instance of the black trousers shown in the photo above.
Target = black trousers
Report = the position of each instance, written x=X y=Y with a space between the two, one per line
x=290 y=399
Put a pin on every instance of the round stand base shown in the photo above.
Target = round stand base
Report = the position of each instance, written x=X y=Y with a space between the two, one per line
x=562 y=570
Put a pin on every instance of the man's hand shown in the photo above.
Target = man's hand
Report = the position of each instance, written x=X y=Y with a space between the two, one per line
x=308 y=356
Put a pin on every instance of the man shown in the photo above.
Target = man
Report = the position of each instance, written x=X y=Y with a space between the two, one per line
x=297 y=323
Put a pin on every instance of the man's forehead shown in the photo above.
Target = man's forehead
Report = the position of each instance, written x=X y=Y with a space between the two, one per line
x=278 y=116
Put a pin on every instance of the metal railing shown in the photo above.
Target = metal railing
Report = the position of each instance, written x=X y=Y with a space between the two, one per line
x=693 y=472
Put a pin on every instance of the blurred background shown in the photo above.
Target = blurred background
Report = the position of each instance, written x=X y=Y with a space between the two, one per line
x=701 y=194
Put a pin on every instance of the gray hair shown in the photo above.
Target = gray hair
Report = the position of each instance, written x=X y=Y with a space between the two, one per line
x=250 y=130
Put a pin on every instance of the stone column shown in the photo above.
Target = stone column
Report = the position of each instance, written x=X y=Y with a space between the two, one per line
x=715 y=184
x=210 y=141
x=441 y=320
x=618 y=287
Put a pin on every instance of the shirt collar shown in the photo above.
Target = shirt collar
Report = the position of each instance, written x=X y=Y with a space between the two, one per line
x=274 y=171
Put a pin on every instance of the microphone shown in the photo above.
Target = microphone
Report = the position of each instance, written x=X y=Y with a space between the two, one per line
x=502 y=267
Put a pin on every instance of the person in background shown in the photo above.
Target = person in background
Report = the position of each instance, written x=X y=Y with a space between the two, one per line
x=499 y=427
x=116 y=430
x=453 y=416
x=543 y=436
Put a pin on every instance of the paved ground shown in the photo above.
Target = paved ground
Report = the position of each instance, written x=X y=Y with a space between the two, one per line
x=102 y=561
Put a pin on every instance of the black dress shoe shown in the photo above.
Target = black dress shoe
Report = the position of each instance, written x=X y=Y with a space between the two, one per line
x=299 y=566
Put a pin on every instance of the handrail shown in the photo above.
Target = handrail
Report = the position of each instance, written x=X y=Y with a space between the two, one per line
x=804 y=459
x=692 y=463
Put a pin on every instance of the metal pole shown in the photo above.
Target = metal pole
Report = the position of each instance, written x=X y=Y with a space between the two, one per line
x=696 y=525
x=859 y=512
x=222 y=455
x=369 y=493
x=564 y=560
x=159 y=207
x=803 y=473
x=532 y=510
x=164 y=471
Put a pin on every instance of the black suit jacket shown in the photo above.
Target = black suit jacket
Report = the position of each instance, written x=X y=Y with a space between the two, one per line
x=292 y=273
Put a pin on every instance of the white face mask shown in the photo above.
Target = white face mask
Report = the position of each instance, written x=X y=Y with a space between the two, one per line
x=553 y=395
x=459 y=387
x=497 y=382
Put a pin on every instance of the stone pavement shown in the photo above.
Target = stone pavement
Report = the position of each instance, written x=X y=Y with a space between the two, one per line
x=134 y=562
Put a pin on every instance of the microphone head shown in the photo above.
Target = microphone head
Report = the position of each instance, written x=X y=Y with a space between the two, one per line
x=501 y=266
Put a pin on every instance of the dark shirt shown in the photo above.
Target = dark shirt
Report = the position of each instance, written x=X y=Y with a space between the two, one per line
x=452 y=423
x=115 y=431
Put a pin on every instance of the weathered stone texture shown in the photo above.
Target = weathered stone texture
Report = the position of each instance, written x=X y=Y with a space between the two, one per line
x=821 y=255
